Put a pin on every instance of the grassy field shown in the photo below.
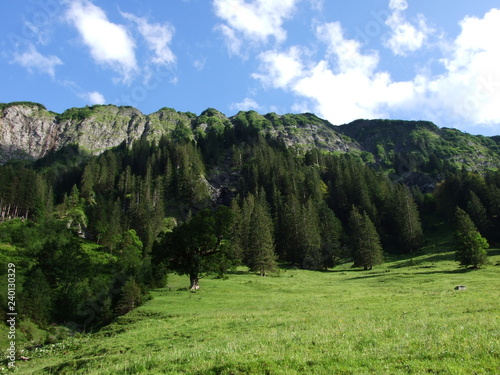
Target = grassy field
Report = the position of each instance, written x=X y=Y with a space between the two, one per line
x=402 y=318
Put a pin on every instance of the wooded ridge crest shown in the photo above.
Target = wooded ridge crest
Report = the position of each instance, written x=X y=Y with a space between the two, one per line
x=29 y=131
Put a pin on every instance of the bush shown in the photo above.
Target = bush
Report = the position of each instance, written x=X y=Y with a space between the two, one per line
x=130 y=297
x=33 y=335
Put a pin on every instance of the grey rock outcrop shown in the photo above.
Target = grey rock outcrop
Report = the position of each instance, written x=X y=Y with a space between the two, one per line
x=29 y=131
x=414 y=151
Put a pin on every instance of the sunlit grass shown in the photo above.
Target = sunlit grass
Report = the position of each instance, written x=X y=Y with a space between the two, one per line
x=401 y=318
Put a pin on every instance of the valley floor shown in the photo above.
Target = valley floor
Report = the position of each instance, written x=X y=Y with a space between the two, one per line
x=401 y=318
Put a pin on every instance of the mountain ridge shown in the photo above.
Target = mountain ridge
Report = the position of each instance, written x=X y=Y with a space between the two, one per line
x=29 y=131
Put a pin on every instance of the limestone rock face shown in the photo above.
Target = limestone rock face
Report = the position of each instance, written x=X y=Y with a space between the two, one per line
x=27 y=132
x=105 y=127
x=30 y=131
x=404 y=148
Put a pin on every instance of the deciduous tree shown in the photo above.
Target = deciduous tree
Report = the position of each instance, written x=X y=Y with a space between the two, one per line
x=190 y=246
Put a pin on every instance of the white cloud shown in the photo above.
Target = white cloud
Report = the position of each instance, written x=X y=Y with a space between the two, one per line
x=255 y=21
x=34 y=60
x=469 y=90
x=233 y=42
x=341 y=87
x=109 y=43
x=90 y=97
x=245 y=105
x=157 y=37
x=94 y=97
x=280 y=69
x=398 y=5
x=346 y=83
x=317 y=4
x=405 y=37
x=345 y=52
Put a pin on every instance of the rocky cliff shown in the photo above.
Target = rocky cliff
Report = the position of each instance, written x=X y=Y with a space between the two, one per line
x=30 y=131
x=423 y=145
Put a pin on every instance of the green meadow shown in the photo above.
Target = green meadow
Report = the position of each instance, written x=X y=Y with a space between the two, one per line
x=403 y=317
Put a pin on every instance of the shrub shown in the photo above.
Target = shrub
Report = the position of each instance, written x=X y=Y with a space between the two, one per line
x=130 y=297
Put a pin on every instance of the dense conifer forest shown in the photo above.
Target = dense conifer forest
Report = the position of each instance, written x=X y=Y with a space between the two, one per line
x=93 y=234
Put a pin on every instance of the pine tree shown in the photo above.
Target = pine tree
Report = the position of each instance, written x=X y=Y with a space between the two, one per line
x=331 y=230
x=311 y=237
x=239 y=229
x=406 y=220
x=292 y=231
x=365 y=241
x=88 y=180
x=471 y=246
x=477 y=212
x=105 y=222
x=261 y=254
x=247 y=209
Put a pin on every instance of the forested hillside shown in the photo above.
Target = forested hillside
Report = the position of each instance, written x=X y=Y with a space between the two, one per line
x=30 y=131
x=93 y=232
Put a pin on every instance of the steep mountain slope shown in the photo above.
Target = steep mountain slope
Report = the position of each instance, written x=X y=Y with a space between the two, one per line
x=30 y=131
x=422 y=145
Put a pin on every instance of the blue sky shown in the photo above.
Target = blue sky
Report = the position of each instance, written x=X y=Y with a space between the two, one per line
x=400 y=59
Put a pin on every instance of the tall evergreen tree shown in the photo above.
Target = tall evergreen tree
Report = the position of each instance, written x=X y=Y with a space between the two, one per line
x=311 y=255
x=471 y=246
x=292 y=240
x=331 y=231
x=261 y=254
x=365 y=241
x=406 y=220
x=105 y=222
x=477 y=212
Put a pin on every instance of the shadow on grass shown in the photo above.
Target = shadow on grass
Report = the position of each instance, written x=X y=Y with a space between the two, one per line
x=415 y=271
x=364 y=277
x=449 y=272
x=493 y=252
x=237 y=272
x=418 y=258
x=441 y=257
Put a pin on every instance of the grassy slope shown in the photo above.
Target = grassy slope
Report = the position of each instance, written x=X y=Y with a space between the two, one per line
x=401 y=318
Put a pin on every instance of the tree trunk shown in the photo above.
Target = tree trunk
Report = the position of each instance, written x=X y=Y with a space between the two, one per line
x=262 y=271
x=194 y=281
